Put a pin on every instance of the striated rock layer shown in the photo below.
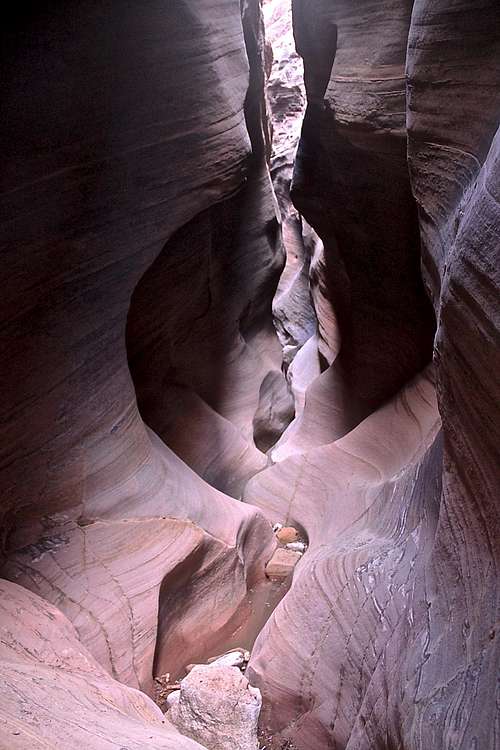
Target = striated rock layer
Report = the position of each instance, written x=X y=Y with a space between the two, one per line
x=204 y=355
x=89 y=203
x=54 y=693
x=388 y=637
x=454 y=160
x=352 y=185
x=129 y=134
x=143 y=383
x=367 y=504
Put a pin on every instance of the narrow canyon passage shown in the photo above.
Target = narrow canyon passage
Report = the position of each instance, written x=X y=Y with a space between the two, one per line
x=250 y=344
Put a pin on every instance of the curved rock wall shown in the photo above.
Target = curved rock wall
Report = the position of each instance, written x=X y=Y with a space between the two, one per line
x=95 y=182
x=352 y=185
x=140 y=231
x=293 y=313
x=129 y=132
x=388 y=637
x=55 y=694
x=454 y=139
x=204 y=356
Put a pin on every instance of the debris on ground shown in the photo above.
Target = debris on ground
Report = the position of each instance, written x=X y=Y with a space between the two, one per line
x=163 y=688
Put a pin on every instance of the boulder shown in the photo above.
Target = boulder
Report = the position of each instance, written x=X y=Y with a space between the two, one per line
x=287 y=534
x=219 y=708
x=282 y=563
x=235 y=658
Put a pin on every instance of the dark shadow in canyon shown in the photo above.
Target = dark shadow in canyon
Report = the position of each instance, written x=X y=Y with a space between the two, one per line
x=355 y=192
x=202 y=349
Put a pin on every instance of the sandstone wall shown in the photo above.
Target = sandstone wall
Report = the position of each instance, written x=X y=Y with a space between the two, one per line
x=388 y=636
x=142 y=380
x=133 y=141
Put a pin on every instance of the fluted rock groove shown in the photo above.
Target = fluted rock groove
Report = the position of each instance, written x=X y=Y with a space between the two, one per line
x=250 y=280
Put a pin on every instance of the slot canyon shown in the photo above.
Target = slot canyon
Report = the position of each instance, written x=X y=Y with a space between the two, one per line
x=250 y=323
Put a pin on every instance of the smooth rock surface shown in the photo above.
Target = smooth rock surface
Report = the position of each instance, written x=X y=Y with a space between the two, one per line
x=388 y=635
x=368 y=503
x=351 y=183
x=142 y=377
x=127 y=133
x=287 y=534
x=94 y=184
x=53 y=693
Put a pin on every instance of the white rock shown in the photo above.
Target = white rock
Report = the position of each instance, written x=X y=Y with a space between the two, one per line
x=218 y=708
x=277 y=527
x=231 y=659
x=173 y=698
x=296 y=546
x=236 y=658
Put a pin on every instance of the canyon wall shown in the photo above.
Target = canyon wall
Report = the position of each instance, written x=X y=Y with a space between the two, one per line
x=146 y=391
x=134 y=188
x=388 y=637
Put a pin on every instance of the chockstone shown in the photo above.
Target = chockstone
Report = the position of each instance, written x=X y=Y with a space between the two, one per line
x=218 y=708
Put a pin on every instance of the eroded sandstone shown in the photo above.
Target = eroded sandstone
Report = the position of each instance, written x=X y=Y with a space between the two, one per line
x=145 y=383
x=397 y=645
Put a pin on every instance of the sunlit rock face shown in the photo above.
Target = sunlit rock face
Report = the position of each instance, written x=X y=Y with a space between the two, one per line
x=55 y=694
x=388 y=637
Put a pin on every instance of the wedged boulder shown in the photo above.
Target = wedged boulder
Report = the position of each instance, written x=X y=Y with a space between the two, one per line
x=287 y=534
x=282 y=563
x=274 y=412
x=219 y=708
